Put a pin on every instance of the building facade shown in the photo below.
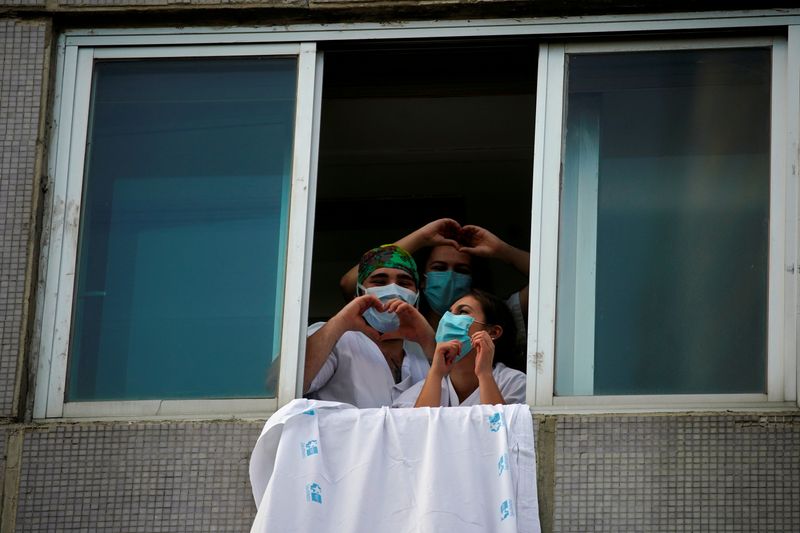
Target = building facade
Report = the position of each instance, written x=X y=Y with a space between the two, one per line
x=183 y=183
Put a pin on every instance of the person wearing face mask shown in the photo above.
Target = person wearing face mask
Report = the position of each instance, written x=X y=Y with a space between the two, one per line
x=379 y=344
x=473 y=338
x=449 y=269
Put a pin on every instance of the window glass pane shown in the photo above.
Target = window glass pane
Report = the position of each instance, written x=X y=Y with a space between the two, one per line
x=185 y=202
x=663 y=243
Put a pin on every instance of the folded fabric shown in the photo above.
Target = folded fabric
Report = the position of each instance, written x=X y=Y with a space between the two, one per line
x=329 y=467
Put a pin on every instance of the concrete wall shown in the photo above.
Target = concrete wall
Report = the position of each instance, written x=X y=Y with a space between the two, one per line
x=22 y=70
x=148 y=477
x=601 y=473
x=721 y=472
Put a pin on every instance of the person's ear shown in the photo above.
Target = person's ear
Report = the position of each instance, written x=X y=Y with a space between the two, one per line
x=495 y=332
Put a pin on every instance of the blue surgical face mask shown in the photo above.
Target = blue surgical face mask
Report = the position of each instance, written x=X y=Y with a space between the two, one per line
x=384 y=321
x=455 y=327
x=442 y=288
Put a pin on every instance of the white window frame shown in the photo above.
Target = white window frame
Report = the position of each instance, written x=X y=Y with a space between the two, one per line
x=782 y=297
x=78 y=48
x=73 y=96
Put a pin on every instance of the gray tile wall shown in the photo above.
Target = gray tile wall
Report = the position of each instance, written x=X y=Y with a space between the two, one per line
x=677 y=473
x=137 y=477
x=727 y=473
x=22 y=51
x=22 y=3
x=115 y=3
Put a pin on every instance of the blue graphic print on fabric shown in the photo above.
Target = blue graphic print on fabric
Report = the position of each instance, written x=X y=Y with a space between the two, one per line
x=314 y=493
x=495 y=422
x=310 y=448
x=502 y=465
x=506 y=510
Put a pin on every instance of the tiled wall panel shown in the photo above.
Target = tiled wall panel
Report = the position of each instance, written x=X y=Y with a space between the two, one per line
x=23 y=3
x=22 y=51
x=684 y=473
x=137 y=477
x=122 y=3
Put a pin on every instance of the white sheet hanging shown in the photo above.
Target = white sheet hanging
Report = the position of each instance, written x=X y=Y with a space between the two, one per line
x=328 y=467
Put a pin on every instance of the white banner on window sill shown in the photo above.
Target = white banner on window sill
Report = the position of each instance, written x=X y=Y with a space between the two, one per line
x=326 y=466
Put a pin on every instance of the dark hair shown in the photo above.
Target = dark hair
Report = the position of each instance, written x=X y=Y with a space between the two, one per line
x=497 y=313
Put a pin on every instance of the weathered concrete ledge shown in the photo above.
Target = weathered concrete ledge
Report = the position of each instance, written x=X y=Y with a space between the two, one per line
x=169 y=12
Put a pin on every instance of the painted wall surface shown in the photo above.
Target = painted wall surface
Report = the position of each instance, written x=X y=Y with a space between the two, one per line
x=693 y=472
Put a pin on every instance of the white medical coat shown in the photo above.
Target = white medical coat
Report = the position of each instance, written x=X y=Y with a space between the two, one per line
x=356 y=372
x=326 y=467
x=511 y=383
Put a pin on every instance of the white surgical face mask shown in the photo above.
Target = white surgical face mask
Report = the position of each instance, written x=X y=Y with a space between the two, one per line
x=385 y=321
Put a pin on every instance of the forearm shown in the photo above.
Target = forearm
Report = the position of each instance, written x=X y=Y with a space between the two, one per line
x=410 y=243
x=489 y=391
x=348 y=283
x=318 y=348
x=519 y=259
x=431 y=393
x=413 y=242
x=428 y=345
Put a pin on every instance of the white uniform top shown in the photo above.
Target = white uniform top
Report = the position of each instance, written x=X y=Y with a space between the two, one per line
x=510 y=382
x=356 y=372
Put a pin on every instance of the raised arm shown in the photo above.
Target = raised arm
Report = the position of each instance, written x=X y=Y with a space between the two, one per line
x=489 y=392
x=413 y=327
x=441 y=231
x=482 y=242
x=443 y=360
x=320 y=344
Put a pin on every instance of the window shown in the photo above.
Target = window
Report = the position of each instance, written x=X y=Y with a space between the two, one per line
x=184 y=219
x=669 y=237
x=183 y=184
x=180 y=226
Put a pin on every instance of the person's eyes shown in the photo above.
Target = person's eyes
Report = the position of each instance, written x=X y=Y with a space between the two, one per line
x=463 y=270
x=439 y=268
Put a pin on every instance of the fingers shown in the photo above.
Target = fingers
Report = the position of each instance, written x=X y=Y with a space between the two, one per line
x=483 y=342
x=445 y=232
x=481 y=337
x=362 y=326
x=413 y=325
x=448 y=351
x=364 y=302
x=393 y=305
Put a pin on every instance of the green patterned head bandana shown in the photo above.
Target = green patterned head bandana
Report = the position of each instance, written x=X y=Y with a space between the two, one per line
x=386 y=256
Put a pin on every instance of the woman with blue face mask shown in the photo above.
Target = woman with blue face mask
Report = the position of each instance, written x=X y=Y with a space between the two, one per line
x=473 y=340
x=449 y=267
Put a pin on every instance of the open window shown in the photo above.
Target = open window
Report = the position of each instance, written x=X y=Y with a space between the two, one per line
x=648 y=179
x=176 y=177
x=413 y=132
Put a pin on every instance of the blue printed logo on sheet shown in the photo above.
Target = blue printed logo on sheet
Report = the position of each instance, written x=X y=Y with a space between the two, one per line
x=502 y=464
x=506 y=510
x=310 y=448
x=495 y=422
x=309 y=412
x=314 y=493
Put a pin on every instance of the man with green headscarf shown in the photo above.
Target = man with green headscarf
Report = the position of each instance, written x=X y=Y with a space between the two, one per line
x=379 y=344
